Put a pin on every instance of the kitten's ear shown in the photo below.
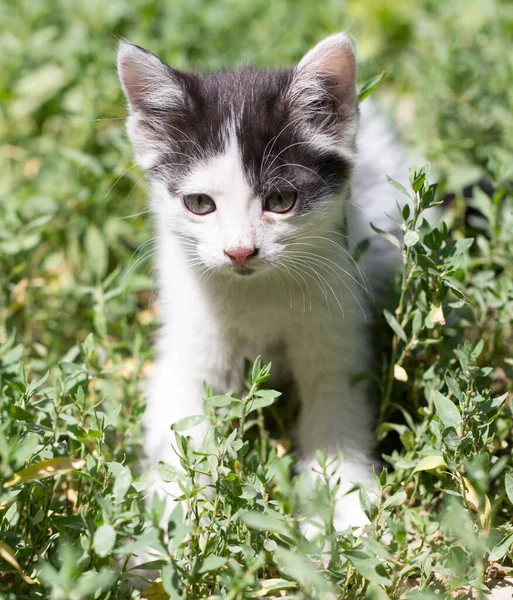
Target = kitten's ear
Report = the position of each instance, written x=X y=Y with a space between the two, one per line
x=149 y=84
x=323 y=97
x=328 y=68
x=152 y=89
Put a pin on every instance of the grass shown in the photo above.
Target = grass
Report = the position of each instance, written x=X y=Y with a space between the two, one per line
x=77 y=319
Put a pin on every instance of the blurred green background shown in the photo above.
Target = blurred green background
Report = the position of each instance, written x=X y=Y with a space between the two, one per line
x=70 y=256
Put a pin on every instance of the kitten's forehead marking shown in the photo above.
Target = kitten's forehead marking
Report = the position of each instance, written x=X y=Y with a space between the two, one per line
x=238 y=135
x=222 y=175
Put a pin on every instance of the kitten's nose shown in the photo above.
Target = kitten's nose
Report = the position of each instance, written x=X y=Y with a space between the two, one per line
x=241 y=255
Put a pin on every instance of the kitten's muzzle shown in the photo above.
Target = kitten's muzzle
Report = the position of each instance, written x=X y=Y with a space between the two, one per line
x=240 y=256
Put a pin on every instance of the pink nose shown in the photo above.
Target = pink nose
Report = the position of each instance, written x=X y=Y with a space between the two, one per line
x=240 y=255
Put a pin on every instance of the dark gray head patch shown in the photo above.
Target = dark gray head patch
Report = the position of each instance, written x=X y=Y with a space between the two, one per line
x=293 y=129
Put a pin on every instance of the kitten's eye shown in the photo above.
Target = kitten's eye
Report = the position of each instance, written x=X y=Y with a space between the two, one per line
x=199 y=204
x=280 y=202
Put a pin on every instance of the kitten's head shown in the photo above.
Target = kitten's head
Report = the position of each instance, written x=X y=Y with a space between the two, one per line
x=244 y=162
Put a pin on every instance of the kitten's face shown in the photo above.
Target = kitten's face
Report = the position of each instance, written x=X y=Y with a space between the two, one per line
x=244 y=162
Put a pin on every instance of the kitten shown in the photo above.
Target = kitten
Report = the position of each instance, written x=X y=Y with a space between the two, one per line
x=252 y=173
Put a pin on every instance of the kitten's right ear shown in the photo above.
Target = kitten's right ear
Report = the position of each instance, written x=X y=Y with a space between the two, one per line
x=329 y=67
x=323 y=94
x=152 y=88
x=149 y=84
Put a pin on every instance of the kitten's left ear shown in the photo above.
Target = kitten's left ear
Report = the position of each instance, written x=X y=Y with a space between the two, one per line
x=149 y=84
x=328 y=68
x=152 y=89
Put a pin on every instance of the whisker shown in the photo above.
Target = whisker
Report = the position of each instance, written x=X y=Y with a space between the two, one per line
x=186 y=137
x=346 y=258
x=139 y=214
x=290 y=266
x=327 y=283
x=317 y=257
x=346 y=253
x=120 y=177
x=319 y=281
x=273 y=141
x=330 y=269
x=276 y=156
x=106 y=119
x=279 y=265
x=150 y=254
x=302 y=167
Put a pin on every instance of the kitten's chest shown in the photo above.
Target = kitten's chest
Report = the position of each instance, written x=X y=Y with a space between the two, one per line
x=270 y=317
x=259 y=326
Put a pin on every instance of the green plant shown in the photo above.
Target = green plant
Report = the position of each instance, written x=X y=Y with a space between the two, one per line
x=77 y=318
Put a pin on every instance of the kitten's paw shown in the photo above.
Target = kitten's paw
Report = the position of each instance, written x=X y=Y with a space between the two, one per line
x=349 y=513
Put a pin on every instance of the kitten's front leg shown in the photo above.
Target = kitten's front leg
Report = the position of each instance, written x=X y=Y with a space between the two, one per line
x=336 y=417
x=176 y=392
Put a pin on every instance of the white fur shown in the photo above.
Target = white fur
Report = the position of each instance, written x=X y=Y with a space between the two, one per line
x=144 y=76
x=213 y=320
x=305 y=308
x=332 y=58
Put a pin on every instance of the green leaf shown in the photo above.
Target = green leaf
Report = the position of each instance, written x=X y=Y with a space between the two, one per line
x=418 y=182
x=501 y=549
x=298 y=567
x=36 y=87
x=428 y=463
x=446 y=410
x=508 y=484
x=96 y=251
x=262 y=399
x=369 y=86
x=476 y=352
x=255 y=370
x=123 y=480
x=398 y=186
x=220 y=400
x=36 y=383
x=396 y=500
x=368 y=566
x=20 y=414
x=189 y=422
x=258 y=520
x=411 y=238
x=212 y=563
x=453 y=386
x=168 y=473
x=272 y=394
x=104 y=540
x=390 y=237
x=394 y=324
x=375 y=592
x=170 y=581
x=427 y=263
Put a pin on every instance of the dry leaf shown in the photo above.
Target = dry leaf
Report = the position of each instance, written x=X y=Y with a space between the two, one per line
x=436 y=314
x=7 y=554
x=399 y=373
x=155 y=592
x=282 y=447
x=31 y=167
x=18 y=294
x=46 y=468
x=146 y=316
